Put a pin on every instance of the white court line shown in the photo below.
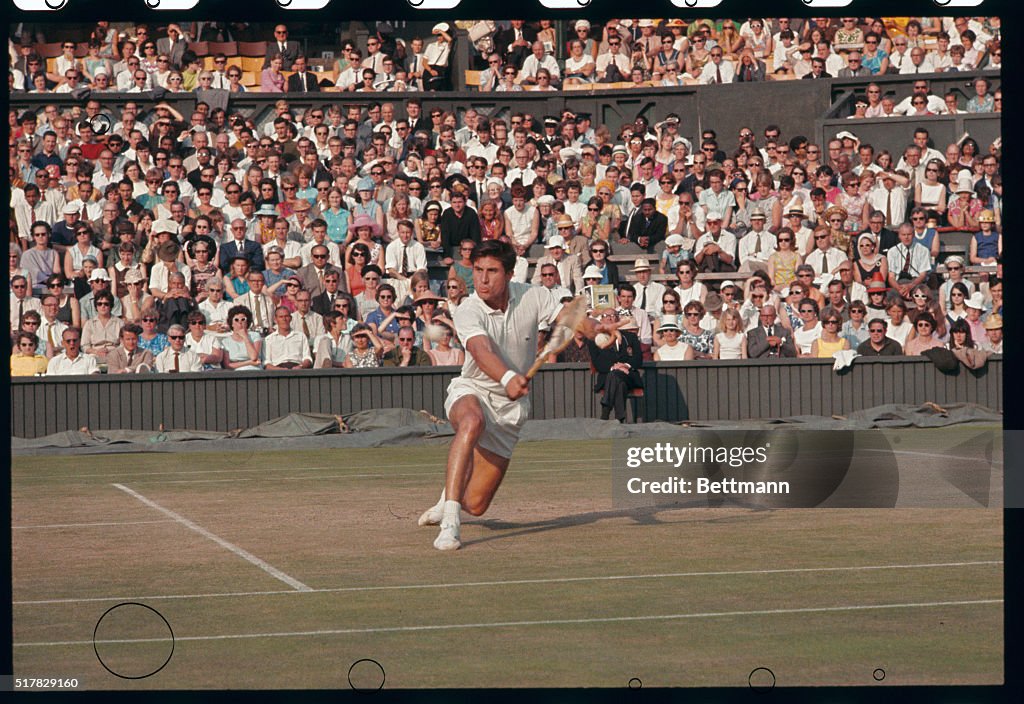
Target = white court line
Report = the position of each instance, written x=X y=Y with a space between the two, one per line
x=244 y=554
x=930 y=454
x=439 y=464
x=87 y=525
x=515 y=624
x=501 y=583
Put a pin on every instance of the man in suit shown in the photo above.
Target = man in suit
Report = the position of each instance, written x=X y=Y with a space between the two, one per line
x=817 y=69
x=752 y=69
x=302 y=81
x=617 y=367
x=514 y=43
x=769 y=338
x=259 y=302
x=240 y=245
x=649 y=228
x=313 y=275
x=128 y=358
x=288 y=49
x=324 y=303
x=173 y=45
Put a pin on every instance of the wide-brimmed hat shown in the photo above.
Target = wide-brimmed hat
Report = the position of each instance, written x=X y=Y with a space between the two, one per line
x=836 y=210
x=758 y=214
x=876 y=285
x=168 y=251
x=165 y=225
x=592 y=272
x=564 y=221
x=796 y=210
x=441 y=27
x=423 y=296
x=669 y=322
x=99 y=275
x=976 y=301
x=986 y=216
x=365 y=220
x=641 y=264
x=994 y=322
x=266 y=210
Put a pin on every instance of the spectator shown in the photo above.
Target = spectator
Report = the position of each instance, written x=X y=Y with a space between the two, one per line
x=72 y=361
x=286 y=348
x=878 y=344
x=243 y=348
x=25 y=361
x=177 y=358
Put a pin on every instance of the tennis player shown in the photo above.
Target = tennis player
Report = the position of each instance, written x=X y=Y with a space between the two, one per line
x=488 y=403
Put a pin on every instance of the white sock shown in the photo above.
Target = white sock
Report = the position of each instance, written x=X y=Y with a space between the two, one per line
x=440 y=502
x=452 y=513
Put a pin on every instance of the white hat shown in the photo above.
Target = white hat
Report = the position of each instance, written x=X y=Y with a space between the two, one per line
x=669 y=322
x=555 y=241
x=620 y=149
x=546 y=200
x=566 y=153
x=592 y=272
x=726 y=284
x=441 y=27
x=645 y=23
x=165 y=225
x=99 y=274
x=641 y=264
x=581 y=24
x=674 y=241
x=69 y=209
x=845 y=134
x=977 y=301
x=713 y=215
x=964 y=185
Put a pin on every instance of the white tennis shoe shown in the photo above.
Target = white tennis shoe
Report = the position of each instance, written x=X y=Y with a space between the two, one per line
x=448 y=538
x=432 y=516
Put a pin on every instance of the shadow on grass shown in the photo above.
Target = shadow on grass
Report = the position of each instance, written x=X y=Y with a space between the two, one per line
x=648 y=515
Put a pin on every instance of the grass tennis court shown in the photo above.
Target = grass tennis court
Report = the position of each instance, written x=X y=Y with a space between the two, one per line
x=281 y=570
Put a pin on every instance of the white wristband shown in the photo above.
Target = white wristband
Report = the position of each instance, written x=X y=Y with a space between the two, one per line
x=508 y=376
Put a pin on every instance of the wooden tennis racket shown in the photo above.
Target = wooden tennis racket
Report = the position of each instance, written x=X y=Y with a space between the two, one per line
x=571 y=318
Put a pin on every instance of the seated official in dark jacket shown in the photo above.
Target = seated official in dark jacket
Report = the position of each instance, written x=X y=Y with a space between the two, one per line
x=617 y=367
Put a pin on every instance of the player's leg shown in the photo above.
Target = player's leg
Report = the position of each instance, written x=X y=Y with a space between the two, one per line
x=467 y=418
x=488 y=471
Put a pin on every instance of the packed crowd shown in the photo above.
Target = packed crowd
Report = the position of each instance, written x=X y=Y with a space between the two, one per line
x=516 y=55
x=342 y=235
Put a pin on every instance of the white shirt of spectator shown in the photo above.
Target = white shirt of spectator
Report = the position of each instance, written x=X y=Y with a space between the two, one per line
x=207 y=344
x=188 y=361
x=159 y=274
x=396 y=251
x=314 y=321
x=216 y=313
x=920 y=259
x=333 y=252
x=531 y=65
x=60 y=365
x=726 y=242
x=654 y=291
x=748 y=243
x=935 y=104
x=694 y=293
x=291 y=248
x=513 y=333
x=30 y=303
x=710 y=73
x=825 y=261
x=527 y=175
x=621 y=60
x=879 y=199
x=45 y=327
x=293 y=347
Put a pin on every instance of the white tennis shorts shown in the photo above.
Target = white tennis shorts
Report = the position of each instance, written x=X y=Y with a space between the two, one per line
x=504 y=418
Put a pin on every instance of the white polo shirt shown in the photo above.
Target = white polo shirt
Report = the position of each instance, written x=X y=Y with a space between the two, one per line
x=60 y=365
x=513 y=332
x=293 y=347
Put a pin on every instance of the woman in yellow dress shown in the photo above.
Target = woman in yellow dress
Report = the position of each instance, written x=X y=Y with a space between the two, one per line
x=830 y=342
x=24 y=360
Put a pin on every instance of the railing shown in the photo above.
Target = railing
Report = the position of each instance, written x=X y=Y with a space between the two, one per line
x=704 y=390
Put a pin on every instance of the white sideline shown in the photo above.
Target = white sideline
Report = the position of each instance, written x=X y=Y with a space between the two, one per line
x=514 y=624
x=548 y=580
x=245 y=555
